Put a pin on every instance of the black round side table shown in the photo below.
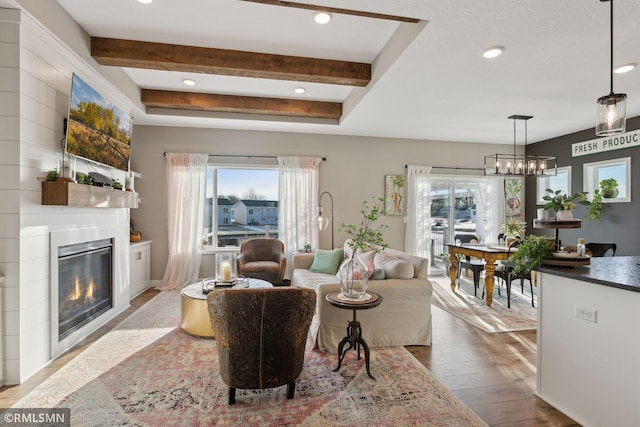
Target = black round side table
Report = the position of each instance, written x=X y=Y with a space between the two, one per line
x=354 y=329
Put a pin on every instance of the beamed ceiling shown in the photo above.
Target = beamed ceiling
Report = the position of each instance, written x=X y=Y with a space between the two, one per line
x=401 y=69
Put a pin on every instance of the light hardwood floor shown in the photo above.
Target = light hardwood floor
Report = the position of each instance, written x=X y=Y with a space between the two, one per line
x=493 y=374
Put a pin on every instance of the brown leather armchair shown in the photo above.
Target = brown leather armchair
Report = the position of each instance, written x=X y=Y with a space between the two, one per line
x=262 y=258
x=261 y=335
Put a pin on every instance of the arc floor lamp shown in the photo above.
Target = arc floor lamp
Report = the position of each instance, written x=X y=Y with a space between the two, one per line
x=321 y=220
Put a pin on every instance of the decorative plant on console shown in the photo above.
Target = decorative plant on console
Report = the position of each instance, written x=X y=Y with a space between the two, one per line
x=354 y=273
x=530 y=252
x=563 y=204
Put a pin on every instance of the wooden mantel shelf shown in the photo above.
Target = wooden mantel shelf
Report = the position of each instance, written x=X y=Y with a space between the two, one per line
x=65 y=193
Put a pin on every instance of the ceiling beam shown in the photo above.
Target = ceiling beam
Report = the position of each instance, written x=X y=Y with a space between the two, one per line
x=335 y=10
x=240 y=104
x=160 y=56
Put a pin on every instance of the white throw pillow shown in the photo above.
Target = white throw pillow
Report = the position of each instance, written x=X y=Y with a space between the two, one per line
x=393 y=267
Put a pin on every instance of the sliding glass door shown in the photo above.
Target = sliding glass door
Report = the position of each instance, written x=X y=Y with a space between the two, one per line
x=458 y=213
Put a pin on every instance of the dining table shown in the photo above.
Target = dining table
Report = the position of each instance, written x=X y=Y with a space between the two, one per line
x=490 y=253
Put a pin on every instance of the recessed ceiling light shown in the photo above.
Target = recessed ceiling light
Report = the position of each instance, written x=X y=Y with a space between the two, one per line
x=189 y=82
x=322 y=17
x=299 y=90
x=625 y=68
x=145 y=1
x=492 y=52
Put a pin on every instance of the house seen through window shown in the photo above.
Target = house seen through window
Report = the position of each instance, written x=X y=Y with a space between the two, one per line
x=241 y=203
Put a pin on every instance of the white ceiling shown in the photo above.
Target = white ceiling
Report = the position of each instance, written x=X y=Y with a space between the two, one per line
x=436 y=84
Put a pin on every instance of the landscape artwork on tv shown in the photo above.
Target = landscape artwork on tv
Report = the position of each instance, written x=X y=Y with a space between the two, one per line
x=97 y=130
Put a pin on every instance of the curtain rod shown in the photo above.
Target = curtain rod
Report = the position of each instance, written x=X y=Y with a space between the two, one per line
x=452 y=167
x=324 y=159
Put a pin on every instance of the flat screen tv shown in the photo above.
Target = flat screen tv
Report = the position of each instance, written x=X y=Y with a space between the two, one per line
x=97 y=130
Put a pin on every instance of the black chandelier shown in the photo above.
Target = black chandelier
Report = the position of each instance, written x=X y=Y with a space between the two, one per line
x=520 y=164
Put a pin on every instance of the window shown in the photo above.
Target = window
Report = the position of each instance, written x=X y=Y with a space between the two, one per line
x=562 y=181
x=233 y=194
x=618 y=169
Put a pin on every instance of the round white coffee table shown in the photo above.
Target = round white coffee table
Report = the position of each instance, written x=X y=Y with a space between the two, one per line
x=194 y=312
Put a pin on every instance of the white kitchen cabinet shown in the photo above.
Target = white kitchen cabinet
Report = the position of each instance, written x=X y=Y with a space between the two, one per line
x=140 y=267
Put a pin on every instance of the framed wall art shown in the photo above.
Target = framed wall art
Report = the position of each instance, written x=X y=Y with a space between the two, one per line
x=394 y=194
x=513 y=197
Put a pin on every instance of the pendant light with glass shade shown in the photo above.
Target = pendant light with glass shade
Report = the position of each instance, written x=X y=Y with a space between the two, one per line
x=520 y=164
x=612 y=107
x=322 y=222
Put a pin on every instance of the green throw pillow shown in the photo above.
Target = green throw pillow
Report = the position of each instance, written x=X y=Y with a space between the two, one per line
x=326 y=261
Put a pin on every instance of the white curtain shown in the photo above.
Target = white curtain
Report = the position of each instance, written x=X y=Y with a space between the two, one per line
x=494 y=207
x=186 y=178
x=298 y=204
x=418 y=229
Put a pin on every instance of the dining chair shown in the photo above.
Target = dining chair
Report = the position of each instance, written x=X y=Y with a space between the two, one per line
x=601 y=249
x=506 y=274
x=475 y=265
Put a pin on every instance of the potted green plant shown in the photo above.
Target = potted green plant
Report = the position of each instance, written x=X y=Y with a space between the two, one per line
x=530 y=252
x=513 y=229
x=595 y=206
x=354 y=274
x=117 y=184
x=82 y=178
x=52 y=175
x=609 y=188
x=563 y=204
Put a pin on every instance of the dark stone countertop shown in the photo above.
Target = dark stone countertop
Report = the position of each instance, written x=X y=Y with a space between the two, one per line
x=621 y=272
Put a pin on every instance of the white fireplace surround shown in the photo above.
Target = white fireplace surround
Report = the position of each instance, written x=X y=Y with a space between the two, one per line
x=67 y=237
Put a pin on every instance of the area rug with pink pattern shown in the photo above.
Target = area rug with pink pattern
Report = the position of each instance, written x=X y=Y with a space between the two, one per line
x=148 y=372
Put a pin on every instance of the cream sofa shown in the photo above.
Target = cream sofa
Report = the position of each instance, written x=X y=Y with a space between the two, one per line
x=403 y=318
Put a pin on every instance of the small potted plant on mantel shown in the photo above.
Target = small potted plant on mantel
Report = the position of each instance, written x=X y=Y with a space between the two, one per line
x=563 y=204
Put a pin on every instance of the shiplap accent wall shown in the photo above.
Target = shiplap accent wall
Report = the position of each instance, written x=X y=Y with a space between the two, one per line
x=9 y=177
x=35 y=81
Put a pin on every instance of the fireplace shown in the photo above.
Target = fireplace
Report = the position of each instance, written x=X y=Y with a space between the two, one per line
x=85 y=284
x=88 y=282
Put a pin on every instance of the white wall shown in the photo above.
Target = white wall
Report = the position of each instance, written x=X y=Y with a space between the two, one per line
x=354 y=171
x=35 y=75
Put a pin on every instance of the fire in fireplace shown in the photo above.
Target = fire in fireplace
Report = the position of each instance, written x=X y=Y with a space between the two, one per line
x=84 y=283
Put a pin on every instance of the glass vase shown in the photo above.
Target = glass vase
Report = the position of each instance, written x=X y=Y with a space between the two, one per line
x=354 y=277
x=226 y=268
